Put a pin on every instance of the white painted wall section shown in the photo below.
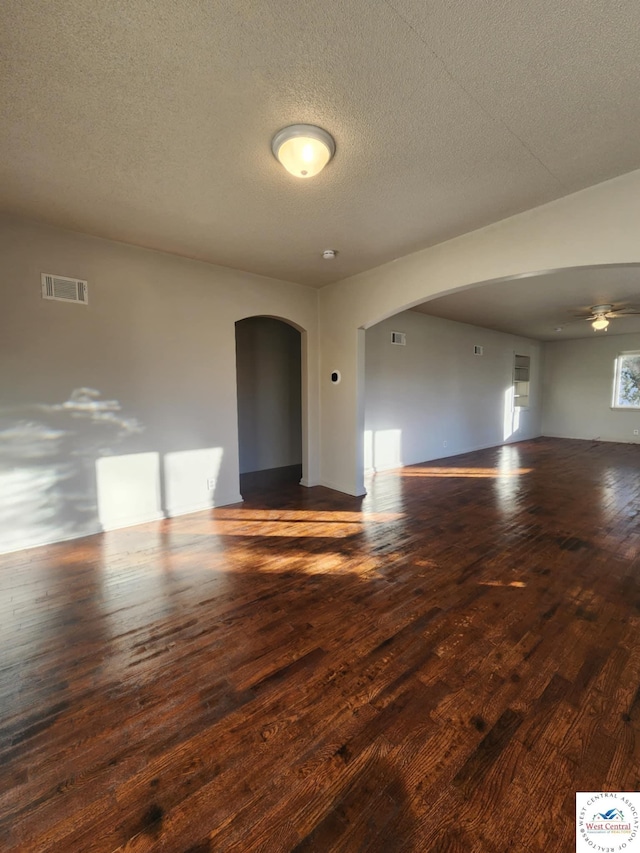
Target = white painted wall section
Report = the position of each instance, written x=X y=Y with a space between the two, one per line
x=434 y=397
x=578 y=389
x=595 y=226
x=147 y=371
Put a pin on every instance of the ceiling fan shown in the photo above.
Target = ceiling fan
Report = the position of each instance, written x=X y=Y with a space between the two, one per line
x=601 y=314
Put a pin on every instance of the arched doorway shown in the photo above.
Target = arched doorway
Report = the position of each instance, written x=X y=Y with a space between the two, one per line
x=269 y=382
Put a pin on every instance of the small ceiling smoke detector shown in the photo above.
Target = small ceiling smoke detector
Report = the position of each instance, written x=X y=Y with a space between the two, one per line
x=303 y=149
x=329 y=254
x=558 y=329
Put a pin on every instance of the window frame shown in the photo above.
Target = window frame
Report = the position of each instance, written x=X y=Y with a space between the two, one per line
x=616 y=382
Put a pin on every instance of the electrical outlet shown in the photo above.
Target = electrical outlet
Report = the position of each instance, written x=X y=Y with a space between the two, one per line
x=444 y=443
x=211 y=483
x=636 y=432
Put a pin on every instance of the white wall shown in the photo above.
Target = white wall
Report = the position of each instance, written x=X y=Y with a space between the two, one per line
x=158 y=340
x=435 y=390
x=578 y=386
x=155 y=352
x=592 y=227
x=269 y=406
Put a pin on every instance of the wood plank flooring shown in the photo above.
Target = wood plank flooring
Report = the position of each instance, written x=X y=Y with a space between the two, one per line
x=439 y=666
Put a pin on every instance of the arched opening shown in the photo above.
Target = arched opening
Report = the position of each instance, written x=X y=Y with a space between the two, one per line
x=446 y=388
x=593 y=227
x=269 y=395
x=497 y=362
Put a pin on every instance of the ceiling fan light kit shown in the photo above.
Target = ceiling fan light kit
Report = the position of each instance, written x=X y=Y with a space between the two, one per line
x=600 y=324
x=601 y=315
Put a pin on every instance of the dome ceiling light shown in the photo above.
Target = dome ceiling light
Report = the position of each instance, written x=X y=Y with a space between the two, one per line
x=600 y=323
x=303 y=149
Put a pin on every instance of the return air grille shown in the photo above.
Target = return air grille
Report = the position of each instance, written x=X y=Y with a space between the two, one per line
x=64 y=289
x=399 y=338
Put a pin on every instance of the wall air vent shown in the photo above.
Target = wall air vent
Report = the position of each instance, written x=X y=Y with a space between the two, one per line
x=477 y=350
x=64 y=289
x=399 y=338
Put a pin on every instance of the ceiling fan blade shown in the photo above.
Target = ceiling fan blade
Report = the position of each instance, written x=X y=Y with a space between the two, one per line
x=622 y=313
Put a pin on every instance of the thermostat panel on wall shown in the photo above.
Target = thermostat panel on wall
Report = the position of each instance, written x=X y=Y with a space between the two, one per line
x=64 y=289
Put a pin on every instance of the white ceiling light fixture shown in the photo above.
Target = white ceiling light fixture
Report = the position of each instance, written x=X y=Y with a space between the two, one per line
x=303 y=149
x=601 y=315
x=599 y=324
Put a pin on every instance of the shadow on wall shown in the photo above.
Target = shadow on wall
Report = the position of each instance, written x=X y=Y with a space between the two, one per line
x=61 y=478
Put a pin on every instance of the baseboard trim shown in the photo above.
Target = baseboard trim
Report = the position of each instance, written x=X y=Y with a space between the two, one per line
x=47 y=542
x=175 y=511
x=231 y=499
x=309 y=484
x=122 y=523
x=591 y=438
x=371 y=471
x=345 y=491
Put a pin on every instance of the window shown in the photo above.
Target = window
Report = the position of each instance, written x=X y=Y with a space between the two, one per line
x=626 y=386
x=521 y=367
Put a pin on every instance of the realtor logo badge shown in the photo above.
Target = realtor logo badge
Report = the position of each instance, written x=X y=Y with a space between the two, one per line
x=607 y=823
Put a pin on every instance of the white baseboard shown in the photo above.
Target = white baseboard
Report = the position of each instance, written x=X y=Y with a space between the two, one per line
x=338 y=488
x=121 y=523
x=235 y=498
x=43 y=543
x=457 y=452
x=632 y=440
x=174 y=511
x=309 y=483
x=124 y=523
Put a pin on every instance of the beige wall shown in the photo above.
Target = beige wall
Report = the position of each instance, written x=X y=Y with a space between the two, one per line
x=595 y=226
x=158 y=339
x=578 y=386
x=434 y=398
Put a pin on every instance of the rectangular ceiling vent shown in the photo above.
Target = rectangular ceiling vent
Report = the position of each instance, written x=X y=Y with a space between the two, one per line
x=64 y=289
x=478 y=350
x=399 y=338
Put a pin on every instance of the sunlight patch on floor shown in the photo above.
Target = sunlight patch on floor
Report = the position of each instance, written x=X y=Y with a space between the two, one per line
x=464 y=472
x=250 y=514
x=243 y=527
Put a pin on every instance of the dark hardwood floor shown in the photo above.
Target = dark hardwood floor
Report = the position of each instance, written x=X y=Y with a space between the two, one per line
x=437 y=667
x=255 y=482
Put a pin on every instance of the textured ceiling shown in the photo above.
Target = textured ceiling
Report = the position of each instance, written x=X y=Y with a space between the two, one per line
x=150 y=121
x=534 y=306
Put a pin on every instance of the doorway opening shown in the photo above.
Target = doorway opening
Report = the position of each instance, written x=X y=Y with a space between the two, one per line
x=269 y=386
